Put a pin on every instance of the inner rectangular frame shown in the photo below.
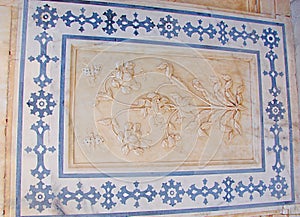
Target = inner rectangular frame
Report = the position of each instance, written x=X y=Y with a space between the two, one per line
x=83 y=174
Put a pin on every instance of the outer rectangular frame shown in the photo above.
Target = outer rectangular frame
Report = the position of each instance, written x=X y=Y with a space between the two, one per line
x=35 y=195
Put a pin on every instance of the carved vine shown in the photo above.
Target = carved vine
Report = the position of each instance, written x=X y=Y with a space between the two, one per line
x=223 y=104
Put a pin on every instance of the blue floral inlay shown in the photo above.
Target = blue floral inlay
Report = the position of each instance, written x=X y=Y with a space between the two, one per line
x=210 y=31
x=45 y=17
x=278 y=187
x=79 y=196
x=109 y=21
x=168 y=27
x=94 y=20
x=108 y=196
x=260 y=188
x=171 y=192
x=244 y=35
x=223 y=34
x=193 y=192
x=228 y=182
x=41 y=103
x=275 y=110
x=270 y=38
x=40 y=196
x=136 y=24
x=149 y=193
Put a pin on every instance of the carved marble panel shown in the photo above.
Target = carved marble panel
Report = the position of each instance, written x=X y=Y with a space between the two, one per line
x=130 y=109
x=164 y=109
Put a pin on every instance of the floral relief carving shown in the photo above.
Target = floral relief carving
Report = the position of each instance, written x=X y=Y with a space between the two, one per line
x=224 y=102
x=131 y=138
x=201 y=106
x=91 y=73
x=93 y=140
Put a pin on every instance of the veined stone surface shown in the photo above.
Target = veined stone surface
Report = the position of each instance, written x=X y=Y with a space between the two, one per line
x=128 y=109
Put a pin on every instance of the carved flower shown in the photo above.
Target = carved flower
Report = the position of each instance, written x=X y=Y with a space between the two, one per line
x=154 y=104
x=123 y=78
x=132 y=139
x=159 y=104
x=170 y=141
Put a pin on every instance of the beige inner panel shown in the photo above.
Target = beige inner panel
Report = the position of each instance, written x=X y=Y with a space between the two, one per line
x=136 y=106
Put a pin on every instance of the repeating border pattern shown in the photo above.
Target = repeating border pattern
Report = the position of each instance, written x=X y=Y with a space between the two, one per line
x=41 y=104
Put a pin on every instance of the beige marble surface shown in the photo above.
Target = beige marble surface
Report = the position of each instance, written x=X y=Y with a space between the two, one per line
x=5 y=25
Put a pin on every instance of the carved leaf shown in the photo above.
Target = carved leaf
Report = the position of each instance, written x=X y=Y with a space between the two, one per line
x=237 y=127
x=177 y=137
x=230 y=135
x=164 y=143
x=154 y=106
x=239 y=96
x=105 y=121
x=158 y=120
x=108 y=95
x=225 y=128
x=203 y=129
x=213 y=79
x=125 y=89
x=115 y=83
x=169 y=71
x=138 y=151
x=171 y=141
x=237 y=115
x=135 y=85
x=201 y=133
x=226 y=117
x=121 y=136
x=177 y=118
x=133 y=139
x=191 y=125
x=144 y=112
x=205 y=125
x=171 y=126
x=197 y=85
x=229 y=97
x=140 y=103
x=225 y=121
x=143 y=144
x=228 y=84
x=151 y=95
x=127 y=76
x=239 y=99
x=226 y=77
x=204 y=115
x=240 y=89
x=125 y=149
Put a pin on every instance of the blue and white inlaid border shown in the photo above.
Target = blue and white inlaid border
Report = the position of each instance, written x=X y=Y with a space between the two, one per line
x=41 y=188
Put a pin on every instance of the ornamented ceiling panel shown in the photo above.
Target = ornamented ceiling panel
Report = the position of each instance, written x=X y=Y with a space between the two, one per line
x=138 y=110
